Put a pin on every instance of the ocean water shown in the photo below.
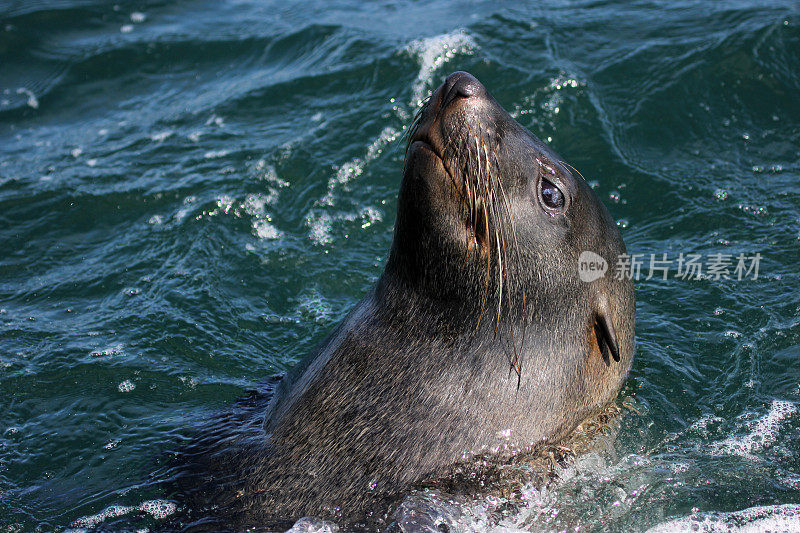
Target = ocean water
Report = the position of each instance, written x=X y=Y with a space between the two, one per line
x=193 y=193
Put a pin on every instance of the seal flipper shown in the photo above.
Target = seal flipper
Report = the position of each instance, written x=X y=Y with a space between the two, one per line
x=604 y=328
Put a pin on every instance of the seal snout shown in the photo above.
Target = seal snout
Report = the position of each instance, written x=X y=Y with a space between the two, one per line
x=434 y=125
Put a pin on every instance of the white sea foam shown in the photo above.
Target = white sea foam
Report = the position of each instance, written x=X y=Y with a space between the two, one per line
x=355 y=167
x=255 y=206
x=755 y=519
x=552 y=96
x=761 y=434
x=215 y=120
x=265 y=231
x=32 y=102
x=182 y=213
x=369 y=216
x=161 y=136
x=266 y=171
x=320 y=224
x=115 y=350
x=158 y=509
x=216 y=154
x=433 y=52
x=320 y=227
x=315 y=306
x=126 y=386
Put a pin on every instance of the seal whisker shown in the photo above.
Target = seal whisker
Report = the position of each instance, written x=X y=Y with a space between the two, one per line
x=497 y=222
x=504 y=215
x=486 y=285
x=470 y=200
x=515 y=364
x=501 y=268
x=573 y=168
x=486 y=215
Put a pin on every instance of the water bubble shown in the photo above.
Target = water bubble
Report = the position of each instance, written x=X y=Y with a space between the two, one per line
x=764 y=518
x=126 y=386
x=158 y=509
x=761 y=433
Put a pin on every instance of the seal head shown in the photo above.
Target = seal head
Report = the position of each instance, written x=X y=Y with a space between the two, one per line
x=479 y=338
x=486 y=206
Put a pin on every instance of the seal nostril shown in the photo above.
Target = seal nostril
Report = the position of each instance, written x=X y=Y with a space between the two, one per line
x=460 y=84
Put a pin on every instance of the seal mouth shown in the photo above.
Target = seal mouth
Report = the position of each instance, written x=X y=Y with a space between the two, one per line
x=457 y=126
x=466 y=184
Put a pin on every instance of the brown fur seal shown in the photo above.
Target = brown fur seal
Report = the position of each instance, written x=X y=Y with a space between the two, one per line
x=479 y=337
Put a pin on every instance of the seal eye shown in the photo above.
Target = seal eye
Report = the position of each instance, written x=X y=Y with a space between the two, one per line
x=551 y=195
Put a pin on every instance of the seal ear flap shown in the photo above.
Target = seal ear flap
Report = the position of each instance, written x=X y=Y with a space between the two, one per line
x=604 y=329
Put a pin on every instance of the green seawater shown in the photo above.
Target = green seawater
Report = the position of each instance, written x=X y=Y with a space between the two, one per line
x=193 y=193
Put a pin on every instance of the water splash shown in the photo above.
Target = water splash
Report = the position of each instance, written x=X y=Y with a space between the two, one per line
x=762 y=434
x=755 y=519
x=432 y=53
x=158 y=509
